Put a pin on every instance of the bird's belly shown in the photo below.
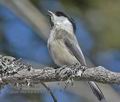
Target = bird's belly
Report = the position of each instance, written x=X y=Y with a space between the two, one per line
x=61 y=54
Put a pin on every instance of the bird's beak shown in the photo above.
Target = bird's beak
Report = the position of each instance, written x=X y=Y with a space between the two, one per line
x=51 y=13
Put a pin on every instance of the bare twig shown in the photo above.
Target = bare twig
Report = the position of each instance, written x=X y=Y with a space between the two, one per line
x=49 y=90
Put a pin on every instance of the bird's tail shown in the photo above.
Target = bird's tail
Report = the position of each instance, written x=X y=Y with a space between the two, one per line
x=96 y=90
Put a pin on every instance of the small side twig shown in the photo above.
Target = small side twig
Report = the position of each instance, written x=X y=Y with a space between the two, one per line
x=49 y=90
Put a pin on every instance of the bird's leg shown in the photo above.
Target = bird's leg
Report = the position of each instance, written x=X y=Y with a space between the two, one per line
x=69 y=82
x=83 y=68
x=76 y=69
x=65 y=71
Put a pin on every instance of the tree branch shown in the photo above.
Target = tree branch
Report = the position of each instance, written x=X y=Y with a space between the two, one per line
x=15 y=71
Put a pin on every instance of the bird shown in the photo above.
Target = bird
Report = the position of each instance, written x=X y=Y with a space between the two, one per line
x=64 y=47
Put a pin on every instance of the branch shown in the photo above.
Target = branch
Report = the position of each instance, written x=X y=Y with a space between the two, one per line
x=16 y=71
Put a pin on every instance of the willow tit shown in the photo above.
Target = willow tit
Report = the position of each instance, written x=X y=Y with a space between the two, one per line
x=63 y=45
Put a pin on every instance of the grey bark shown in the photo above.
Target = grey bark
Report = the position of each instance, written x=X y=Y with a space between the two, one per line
x=14 y=71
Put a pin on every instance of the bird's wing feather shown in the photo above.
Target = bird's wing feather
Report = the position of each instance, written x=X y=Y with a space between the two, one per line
x=73 y=46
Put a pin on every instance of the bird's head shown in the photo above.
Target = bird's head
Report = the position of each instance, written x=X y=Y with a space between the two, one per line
x=60 y=19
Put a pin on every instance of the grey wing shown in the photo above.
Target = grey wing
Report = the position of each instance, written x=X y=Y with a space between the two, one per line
x=73 y=46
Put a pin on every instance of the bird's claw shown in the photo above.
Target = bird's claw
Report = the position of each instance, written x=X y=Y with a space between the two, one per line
x=69 y=82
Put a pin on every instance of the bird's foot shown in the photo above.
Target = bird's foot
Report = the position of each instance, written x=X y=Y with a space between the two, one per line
x=69 y=82
x=65 y=72
x=83 y=68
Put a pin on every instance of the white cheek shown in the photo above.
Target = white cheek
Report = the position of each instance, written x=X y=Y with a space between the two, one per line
x=67 y=22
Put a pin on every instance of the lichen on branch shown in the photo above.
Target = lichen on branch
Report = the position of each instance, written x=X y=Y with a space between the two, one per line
x=14 y=71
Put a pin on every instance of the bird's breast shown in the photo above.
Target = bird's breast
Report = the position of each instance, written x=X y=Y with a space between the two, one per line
x=60 y=53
